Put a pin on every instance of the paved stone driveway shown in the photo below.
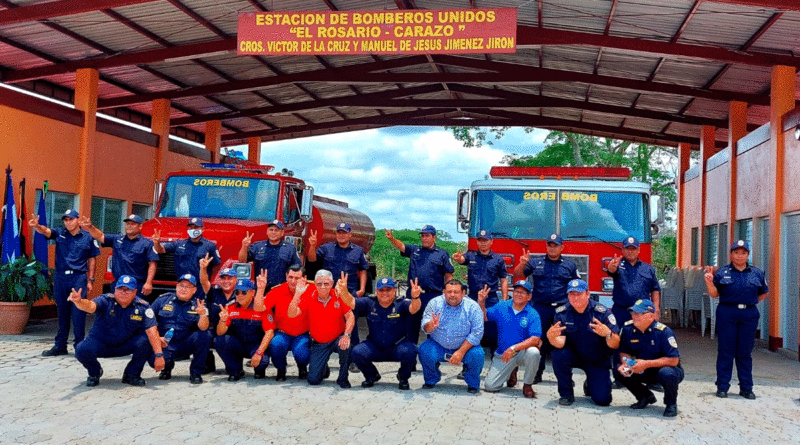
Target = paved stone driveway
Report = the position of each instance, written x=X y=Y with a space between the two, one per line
x=45 y=401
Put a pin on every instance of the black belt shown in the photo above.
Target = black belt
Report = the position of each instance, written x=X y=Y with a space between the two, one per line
x=738 y=305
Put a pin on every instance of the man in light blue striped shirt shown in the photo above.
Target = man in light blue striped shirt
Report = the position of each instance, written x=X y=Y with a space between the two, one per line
x=455 y=327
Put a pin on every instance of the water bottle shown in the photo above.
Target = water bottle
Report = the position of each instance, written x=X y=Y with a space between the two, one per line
x=169 y=334
x=629 y=363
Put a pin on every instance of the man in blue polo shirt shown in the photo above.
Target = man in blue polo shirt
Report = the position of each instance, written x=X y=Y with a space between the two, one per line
x=274 y=254
x=75 y=259
x=133 y=254
x=188 y=252
x=519 y=337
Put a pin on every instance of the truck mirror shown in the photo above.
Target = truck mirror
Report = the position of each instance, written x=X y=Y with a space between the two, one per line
x=159 y=186
x=463 y=210
x=306 y=204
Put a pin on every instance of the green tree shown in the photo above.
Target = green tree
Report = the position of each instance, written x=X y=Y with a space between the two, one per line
x=389 y=262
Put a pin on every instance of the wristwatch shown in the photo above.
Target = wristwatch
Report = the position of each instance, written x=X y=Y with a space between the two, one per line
x=608 y=337
x=159 y=354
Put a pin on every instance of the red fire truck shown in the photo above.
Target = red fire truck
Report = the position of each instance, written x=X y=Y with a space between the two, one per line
x=592 y=208
x=234 y=199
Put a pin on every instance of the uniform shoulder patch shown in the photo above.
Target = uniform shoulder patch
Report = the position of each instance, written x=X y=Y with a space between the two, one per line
x=149 y=313
x=600 y=308
x=672 y=342
x=661 y=326
x=561 y=308
x=629 y=322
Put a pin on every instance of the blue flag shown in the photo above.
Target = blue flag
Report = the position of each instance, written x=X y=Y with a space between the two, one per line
x=39 y=240
x=11 y=250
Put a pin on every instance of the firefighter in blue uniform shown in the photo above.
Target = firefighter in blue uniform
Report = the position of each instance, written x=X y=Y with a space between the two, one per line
x=133 y=254
x=739 y=287
x=188 y=252
x=216 y=298
x=387 y=320
x=274 y=255
x=75 y=259
x=124 y=325
x=430 y=266
x=634 y=280
x=550 y=275
x=652 y=350
x=187 y=316
x=584 y=335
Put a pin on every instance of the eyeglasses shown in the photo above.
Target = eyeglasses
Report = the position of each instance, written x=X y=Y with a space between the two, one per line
x=185 y=286
x=241 y=292
x=325 y=284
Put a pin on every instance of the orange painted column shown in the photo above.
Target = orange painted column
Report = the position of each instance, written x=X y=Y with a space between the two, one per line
x=159 y=124
x=213 y=139
x=254 y=150
x=737 y=129
x=86 y=80
x=708 y=148
x=684 y=153
x=781 y=102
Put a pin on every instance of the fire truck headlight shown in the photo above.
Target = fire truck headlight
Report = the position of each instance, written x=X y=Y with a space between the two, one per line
x=608 y=284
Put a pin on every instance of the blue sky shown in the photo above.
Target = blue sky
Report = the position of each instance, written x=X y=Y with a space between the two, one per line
x=401 y=177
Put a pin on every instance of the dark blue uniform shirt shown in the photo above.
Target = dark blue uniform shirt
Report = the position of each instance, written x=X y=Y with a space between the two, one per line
x=276 y=259
x=187 y=254
x=72 y=252
x=633 y=282
x=115 y=325
x=484 y=270
x=179 y=315
x=740 y=287
x=131 y=256
x=428 y=265
x=655 y=342
x=550 y=278
x=216 y=297
x=589 y=346
x=387 y=326
x=349 y=260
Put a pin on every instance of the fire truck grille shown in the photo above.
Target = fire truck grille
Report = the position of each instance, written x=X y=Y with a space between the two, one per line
x=165 y=270
x=582 y=261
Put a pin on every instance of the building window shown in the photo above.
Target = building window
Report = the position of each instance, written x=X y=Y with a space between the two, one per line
x=695 y=247
x=744 y=230
x=722 y=247
x=711 y=243
x=107 y=214
x=143 y=210
x=56 y=203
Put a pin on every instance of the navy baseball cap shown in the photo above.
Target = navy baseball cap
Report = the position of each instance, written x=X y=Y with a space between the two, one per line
x=428 y=229
x=483 y=234
x=70 y=214
x=126 y=281
x=343 y=227
x=133 y=218
x=630 y=242
x=740 y=244
x=188 y=277
x=643 y=306
x=245 y=285
x=195 y=222
x=385 y=282
x=277 y=224
x=228 y=271
x=556 y=239
x=577 y=286
x=524 y=283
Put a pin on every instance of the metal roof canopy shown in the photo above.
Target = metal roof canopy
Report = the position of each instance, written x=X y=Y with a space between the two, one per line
x=639 y=70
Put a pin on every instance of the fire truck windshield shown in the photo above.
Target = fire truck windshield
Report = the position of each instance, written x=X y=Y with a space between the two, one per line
x=584 y=215
x=220 y=197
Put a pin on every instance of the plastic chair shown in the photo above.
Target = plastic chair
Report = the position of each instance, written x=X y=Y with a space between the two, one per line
x=695 y=289
x=709 y=312
x=672 y=294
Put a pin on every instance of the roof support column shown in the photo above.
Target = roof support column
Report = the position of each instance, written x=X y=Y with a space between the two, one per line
x=86 y=80
x=159 y=124
x=737 y=129
x=213 y=141
x=254 y=150
x=707 y=149
x=781 y=102
x=684 y=152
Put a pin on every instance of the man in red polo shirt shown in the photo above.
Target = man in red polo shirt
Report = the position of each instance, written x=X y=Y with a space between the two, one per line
x=331 y=321
x=290 y=333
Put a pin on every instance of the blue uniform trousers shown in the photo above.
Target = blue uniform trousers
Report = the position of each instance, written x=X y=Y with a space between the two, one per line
x=736 y=331
x=232 y=351
x=366 y=353
x=432 y=353
x=318 y=361
x=669 y=377
x=67 y=311
x=281 y=344
x=196 y=345
x=91 y=348
x=546 y=313
x=415 y=322
x=598 y=376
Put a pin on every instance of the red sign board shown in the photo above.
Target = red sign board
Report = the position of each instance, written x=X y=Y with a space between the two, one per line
x=442 y=31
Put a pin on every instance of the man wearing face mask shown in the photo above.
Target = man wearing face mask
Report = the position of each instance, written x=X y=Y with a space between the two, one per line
x=188 y=252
